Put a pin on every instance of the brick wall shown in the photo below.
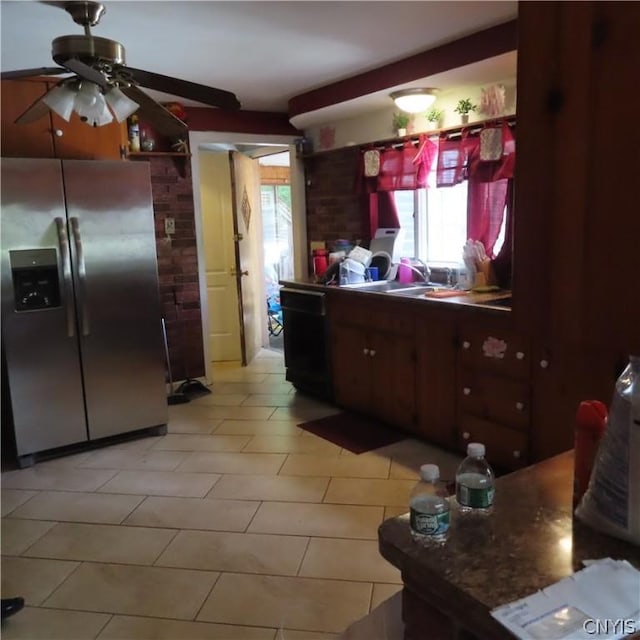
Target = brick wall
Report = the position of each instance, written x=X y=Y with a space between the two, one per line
x=334 y=209
x=178 y=266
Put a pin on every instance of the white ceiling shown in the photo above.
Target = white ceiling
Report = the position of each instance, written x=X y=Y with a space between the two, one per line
x=265 y=52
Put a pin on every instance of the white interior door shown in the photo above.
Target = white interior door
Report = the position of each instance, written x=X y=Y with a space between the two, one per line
x=217 y=215
x=245 y=179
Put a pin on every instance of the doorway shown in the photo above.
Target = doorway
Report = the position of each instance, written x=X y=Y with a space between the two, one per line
x=216 y=290
x=277 y=232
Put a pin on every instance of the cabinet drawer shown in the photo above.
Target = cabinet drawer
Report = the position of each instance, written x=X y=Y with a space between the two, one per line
x=494 y=351
x=494 y=398
x=506 y=448
x=362 y=314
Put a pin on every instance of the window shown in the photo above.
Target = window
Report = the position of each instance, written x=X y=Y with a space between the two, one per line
x=434 y=224
x=277 y=230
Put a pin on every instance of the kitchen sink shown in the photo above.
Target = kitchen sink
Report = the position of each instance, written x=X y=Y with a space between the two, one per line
x=419 y=289
x=497 y=302
x=392 y=286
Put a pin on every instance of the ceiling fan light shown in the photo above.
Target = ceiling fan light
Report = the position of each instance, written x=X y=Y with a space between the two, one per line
x=61 y=99
x=86 y=97
x=414 y=100
x=91 y=106
x=104 y=117
x=121 y=105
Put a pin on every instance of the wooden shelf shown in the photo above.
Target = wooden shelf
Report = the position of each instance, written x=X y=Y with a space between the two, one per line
x=151 y=154
x=472 y=127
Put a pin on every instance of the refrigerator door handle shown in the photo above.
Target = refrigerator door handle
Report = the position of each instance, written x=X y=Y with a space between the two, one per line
x=82 y=277
x=63 y=241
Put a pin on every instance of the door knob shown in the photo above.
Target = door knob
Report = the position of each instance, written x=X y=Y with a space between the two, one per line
x=234 y=272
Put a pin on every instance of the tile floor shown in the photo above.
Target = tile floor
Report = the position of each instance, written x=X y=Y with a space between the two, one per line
x=236 y=525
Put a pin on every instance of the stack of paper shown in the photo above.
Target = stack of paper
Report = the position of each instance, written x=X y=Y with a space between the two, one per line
x=601 y=601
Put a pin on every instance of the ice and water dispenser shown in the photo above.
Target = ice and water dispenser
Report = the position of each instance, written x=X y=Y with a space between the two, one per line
x=35 y=279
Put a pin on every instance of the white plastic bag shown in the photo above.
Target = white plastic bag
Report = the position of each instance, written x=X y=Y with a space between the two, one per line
x=611 y=503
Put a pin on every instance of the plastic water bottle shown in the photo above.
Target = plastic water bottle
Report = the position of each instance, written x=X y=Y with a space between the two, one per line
x=428 y=511
x=344 y=273
x=474 y=481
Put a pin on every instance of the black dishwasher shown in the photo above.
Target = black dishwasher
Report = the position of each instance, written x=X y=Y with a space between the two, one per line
x=306 y=341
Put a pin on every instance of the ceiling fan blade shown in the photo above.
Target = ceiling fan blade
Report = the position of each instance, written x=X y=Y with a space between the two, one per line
x=27 y=73
x=185 y=89
x=163 y=121
x=85 y=72
x=35 y=111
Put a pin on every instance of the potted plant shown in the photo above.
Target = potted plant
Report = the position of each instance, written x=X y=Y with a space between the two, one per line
x=434 y=116
x=400 y=122
x=464 y=107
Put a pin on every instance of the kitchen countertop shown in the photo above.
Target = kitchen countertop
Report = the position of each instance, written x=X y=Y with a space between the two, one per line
x=529 y=542
x=465 y=299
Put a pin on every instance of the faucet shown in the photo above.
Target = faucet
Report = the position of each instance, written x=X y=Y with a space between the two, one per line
x=424 y=275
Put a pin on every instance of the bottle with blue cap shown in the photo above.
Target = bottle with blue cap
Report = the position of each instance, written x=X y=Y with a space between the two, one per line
x=428 y=509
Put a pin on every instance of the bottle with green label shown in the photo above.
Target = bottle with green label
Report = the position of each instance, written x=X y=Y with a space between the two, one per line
x=428 y=509
x=474 y=482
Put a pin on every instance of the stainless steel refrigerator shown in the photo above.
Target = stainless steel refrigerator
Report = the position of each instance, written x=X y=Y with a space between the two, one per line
x=81 y=319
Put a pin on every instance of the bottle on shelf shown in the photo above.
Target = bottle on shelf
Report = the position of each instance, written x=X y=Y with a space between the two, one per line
x=428 y=509
x=474 y=482
x=134 y=134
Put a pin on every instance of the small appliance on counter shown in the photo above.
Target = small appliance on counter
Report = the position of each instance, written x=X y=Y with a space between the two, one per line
x=385 y=240
x=382 y=248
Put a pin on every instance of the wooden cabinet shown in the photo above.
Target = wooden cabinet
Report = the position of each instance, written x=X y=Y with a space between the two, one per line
x=435 y=375
x=576 y=223
x=506 y=448
x=33 y=140
x=373 y=359
x=51 y=136
x=493 y=389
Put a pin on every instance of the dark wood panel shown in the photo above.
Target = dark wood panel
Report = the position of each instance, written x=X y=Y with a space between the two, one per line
x=31 y=140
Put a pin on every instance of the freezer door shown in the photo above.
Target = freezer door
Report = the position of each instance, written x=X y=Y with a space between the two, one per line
x=113 y=249
x=38 y=326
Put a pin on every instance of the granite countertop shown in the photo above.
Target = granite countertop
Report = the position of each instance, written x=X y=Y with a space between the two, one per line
x=464 y=299
x=529 y=542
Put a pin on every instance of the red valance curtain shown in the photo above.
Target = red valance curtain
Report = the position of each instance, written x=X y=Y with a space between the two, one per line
x=383 y=213
x=406 y=168
x=402 y=168
x=453 y=159
x=488 y=192
x=485 y=211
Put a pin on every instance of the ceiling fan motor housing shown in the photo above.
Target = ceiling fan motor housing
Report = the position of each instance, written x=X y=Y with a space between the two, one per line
x=89 y=49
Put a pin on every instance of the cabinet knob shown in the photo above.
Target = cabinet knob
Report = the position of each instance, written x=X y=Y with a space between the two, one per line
x=519 y=355
x=372 y=352
x=365 y=351
x=466 y=435
x=519 y=406
x=516 y=454
x=59 y=133
x=544 y=364
x=467 y=391
x=466 y=344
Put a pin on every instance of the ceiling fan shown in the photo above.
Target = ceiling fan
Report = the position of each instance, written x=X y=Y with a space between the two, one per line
x=103 y=86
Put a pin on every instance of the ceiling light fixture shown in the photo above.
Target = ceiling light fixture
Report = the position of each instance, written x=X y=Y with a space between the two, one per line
x=88 y=101
x=414 y=100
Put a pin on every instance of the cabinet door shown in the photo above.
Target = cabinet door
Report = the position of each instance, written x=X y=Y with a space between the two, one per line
x=506 y=448
x=31 y=140
x=435 y=377
x=494 y=398
x=77 y=140
x=393 y=380
x=351 y=368
x=494 y=349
